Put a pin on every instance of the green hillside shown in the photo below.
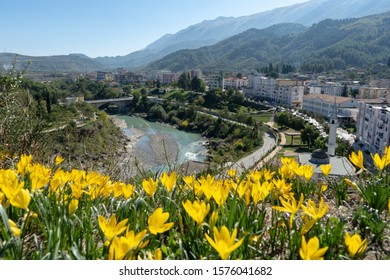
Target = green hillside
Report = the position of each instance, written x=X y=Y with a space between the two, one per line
x=330 y=44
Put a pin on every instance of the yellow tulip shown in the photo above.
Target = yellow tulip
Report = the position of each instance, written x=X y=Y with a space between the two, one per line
x=312 y=211
x=111 y=228
x=259 y=191
x=40 y=176
x=290 y=206
x=221 y=192
x=58 y=160
x=73 y=205
x=311 y=250
x=223 y=242
x=168 y=181
x=127 y=190
x=123 y=248
x=355 y=244
x=325 y=168
x=21 y=199
x=157 y=222
x=15 y=230
x=351 y=184
x=357 y=159
x=380 y=163
x=232 y=173
x=197 y=210
x=24 y=164
x=150 y=186
x=157 y=255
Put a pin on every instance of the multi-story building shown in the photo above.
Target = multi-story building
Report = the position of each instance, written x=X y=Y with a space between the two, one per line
x=323 y=104
x=169 y=77
x=237 y=83
x=373 y=126
x=215 y=82
x=282 y=92
x=373 y=93
x=326 y=88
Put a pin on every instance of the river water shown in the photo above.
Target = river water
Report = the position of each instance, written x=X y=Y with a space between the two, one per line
x=183 y=146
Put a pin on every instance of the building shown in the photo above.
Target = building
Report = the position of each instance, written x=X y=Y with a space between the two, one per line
x=169 y=77
x=373 y=93
x=215 y=82
x=373 y=126
x=282 y=92
x=322 y=104
x=235 y=83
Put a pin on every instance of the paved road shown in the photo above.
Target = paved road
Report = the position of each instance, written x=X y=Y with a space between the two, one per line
x=251 y=160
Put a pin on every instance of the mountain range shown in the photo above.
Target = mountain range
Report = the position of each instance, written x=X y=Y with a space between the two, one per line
x=210 y=32
x=329 y=44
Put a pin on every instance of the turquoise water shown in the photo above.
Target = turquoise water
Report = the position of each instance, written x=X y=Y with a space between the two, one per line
x=191 y=145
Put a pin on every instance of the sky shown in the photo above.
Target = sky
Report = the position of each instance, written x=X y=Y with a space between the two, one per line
x=108 y=27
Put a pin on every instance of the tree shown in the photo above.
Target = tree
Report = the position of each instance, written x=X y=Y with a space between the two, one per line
x=388 y=62
x=184 y=81
x=309 y=135
x=198 y=85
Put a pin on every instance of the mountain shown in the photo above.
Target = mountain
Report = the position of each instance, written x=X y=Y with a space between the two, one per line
x=329 y=44
x=58 y=63
x=212 y=31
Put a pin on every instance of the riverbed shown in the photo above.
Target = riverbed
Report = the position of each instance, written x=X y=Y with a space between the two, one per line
x=154 y=146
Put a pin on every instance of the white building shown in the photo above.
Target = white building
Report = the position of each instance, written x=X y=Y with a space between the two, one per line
x=282 y=92
x=215 y=82
x=322 y=104
x=236 y=83
x=373 y=126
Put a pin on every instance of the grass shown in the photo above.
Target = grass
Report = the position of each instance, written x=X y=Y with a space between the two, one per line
x=263 y=117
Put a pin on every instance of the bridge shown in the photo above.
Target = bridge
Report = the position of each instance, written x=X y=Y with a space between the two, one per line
x=120 y=102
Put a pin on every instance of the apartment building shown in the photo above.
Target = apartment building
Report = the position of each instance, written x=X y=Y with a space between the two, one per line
x=323 y=104
x=373 y=93
x=282 y=92
x=215 y=82
x=236 y=83
x=373 y=126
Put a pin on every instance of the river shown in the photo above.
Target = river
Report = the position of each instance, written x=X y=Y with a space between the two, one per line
x=154 y=145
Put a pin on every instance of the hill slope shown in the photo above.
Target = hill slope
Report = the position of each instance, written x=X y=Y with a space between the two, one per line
x=58 y=63
x=331 y=43
x=212 y=31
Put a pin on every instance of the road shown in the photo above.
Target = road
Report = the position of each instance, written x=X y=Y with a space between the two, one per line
x=254 y=158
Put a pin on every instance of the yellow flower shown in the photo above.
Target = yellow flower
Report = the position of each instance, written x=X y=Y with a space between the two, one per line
x=232 y=173
x=325 y=168
x=324 y=188
x=157 y=255
x=156 y=222
x=168 y=181
x=282 y=188
x=357 y=159
x=259 y=191
x=355 y=244
x=290 y=206
x=150 y=186
x=311 y=250
x=197 y=210
x=213 y=219
x=123 y=248
x=110 y=228
x=58 y=160
x=307 y=226
x=220 y=192
x=24 y=164
x=127 y=190
x=40 y=176
x=312 y=211
x=21 y=199
x=15 y=230
x=223 y=242
x=351 y=184
x=73 y=205
x=380 y=163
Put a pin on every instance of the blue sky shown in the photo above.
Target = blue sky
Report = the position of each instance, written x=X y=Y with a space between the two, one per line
x=110 y=27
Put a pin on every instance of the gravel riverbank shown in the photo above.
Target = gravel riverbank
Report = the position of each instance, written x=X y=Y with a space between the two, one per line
x=140 y=152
